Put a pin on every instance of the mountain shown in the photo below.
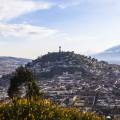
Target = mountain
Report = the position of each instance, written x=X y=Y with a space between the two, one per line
x=67 y=77
x=111 y=55
x=9 y=64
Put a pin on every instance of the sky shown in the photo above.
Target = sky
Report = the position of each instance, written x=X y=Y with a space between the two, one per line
x=31 y=28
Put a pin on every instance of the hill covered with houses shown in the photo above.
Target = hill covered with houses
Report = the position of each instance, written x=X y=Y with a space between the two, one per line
x=77 y=80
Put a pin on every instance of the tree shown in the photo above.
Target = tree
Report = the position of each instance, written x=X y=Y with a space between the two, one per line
x=22 y=77
x=32 y=90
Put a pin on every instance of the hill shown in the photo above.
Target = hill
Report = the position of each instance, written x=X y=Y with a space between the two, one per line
x=65 y=75
x=76 y=80
x=9 y=64
x=55 y=64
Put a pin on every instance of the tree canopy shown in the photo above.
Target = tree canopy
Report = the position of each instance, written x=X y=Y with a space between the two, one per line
x=23 y=76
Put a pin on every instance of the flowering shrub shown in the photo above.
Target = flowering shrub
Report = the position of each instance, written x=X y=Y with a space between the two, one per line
x=41 y=109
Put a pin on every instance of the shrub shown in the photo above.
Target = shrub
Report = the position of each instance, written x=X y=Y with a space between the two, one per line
x=41 y=109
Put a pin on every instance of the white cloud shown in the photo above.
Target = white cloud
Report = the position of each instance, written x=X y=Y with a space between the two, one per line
x=13 y=8
x=25 y=30
x=24 y=40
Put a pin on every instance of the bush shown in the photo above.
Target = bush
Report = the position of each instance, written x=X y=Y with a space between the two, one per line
x=41 y=109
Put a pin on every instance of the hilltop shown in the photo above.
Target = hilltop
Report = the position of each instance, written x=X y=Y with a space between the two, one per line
x=57 y=63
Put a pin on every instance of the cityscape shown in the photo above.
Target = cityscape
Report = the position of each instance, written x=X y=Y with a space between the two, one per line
x=74 y=80
x=59 y=59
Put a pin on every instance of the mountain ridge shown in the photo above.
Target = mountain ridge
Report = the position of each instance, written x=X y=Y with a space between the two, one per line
x=8 y=64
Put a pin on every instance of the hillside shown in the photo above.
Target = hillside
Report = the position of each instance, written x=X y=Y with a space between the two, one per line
x=9 y=64
x=52 y=64
x=66 y=75
x=77 y=80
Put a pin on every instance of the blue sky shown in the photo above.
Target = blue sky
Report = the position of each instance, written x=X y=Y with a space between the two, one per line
x=30 y=28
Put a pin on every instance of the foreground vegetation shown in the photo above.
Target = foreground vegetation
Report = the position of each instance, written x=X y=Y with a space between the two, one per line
x=41 y=109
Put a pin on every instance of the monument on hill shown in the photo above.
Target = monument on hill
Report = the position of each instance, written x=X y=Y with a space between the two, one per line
x=60 y=49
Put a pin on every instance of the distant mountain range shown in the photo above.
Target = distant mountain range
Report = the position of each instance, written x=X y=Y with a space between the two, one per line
x=111 y=55
x=9 y=64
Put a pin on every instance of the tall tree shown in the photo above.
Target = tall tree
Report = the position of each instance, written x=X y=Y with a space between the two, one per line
x=22 y=77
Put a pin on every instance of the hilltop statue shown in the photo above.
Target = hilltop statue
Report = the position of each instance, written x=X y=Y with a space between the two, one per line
x=60 y=49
